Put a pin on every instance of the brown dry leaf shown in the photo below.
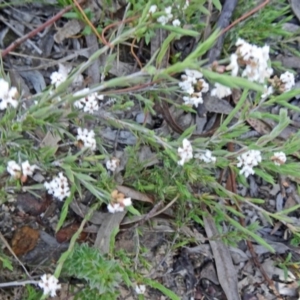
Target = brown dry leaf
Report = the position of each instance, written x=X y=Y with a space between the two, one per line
x=66 y=233
x=133 y=194
x=70 y=29
x=224 y=264
x=24 y=240
x=111 y=222
x=32 y=205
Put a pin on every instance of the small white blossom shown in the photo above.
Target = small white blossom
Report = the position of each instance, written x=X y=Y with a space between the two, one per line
x=233 y=66
x=87 y=138
x=89 y=103
x=186 y=5
x=126 y=201
x=167 y=17
x=279 y=158
x=220 y=91
x=193 y=84
x=195 y=99
x=163 y=20
x=27 y=169
x=114 y=207
x=186 y=152
x=140 y=289
x=176 y=23
x=288 y=80
x=112 y=164
x=152 y=9
x=58 y=187
x=49 y=284
x=256 y=60
x=267 y=92
x=13 y=169
x=248 y=160
x=7 y=95
x=206 y=157
x=60 y=76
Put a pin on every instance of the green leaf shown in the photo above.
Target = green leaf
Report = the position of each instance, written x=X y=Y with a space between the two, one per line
x=161 y=288
x=217 y=4
x=232 y=82
x=260 y=240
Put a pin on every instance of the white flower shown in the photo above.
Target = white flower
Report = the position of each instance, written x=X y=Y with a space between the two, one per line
x=186 y=86
x=127 y=202
x=248 y=160
x=186 y=152
x=49 y=284
x=206 y=157
x=7 y=95
x=87 y=138
x=27 y=169
x=256 y=60
x=163 y=20
x=168 y=11
x=279 y=158
x=58 y=187
x=195 y=99
x=247 y=170
x=167 y=17
x=115 y=207
x=60 y=76
x=233 y=66
x=220 y=91
x=267 y=92
x=13 y=169
x=176 y=23
x=112 y=164
x=190 y=79
x=140 y=289
x=288 y=80
x=89 y=103
x=186 y=5
x=152 y=9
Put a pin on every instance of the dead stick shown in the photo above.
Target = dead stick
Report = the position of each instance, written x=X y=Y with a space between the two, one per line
x=37 y=30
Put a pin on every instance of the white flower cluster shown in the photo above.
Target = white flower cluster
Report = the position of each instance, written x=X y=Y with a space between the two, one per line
x=49 y=284
x=140 y=289
x=206 y=157
x=60 y=76
x=15 y=170
x=86 y=138
x=166 y=17
x=89 y=103
x=254 y=58
x=193 y=84
x=119 y=207
x=288 y=81
x=112 y=164
x=247 y=161
x=186 y=152
x=7 y=95
x=221 y=91
x=58 y=187
x=279 y=158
